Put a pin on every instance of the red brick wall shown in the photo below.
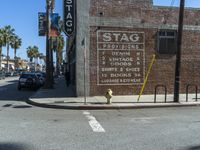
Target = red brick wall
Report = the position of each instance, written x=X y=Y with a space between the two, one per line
x=140 y=10
x=163 y=69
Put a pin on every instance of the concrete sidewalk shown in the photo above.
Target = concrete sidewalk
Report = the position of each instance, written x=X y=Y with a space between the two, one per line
x=61 y=97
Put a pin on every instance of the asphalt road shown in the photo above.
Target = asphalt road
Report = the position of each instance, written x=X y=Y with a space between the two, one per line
x=25 y=127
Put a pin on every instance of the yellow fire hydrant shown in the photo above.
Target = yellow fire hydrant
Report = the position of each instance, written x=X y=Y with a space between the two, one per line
x=109 y=96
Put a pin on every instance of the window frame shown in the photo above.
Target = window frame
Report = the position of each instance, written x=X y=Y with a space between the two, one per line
x=164 y=34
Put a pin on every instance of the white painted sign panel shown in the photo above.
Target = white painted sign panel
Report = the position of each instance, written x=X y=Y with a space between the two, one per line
x=120 y=57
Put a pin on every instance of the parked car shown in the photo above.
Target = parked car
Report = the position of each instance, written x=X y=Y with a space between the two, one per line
x=9 y=74
x=43 y=74
x=2 y=75
x=28 y=80
x=16 y=73
x=41 y=78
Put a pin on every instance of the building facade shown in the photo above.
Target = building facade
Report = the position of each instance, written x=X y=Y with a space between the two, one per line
x=19 y=63
x=120 y=38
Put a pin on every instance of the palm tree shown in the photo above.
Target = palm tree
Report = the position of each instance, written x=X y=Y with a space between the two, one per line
x=16 y=42
x=61 y=44
x=1 y=45
x=30 y=53
x=33 y=52
x=59 y=49
x=7 y=33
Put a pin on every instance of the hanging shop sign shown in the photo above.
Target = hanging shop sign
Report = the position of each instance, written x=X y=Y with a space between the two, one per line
x=54 y=25
x=69 y=17
x=54 y=30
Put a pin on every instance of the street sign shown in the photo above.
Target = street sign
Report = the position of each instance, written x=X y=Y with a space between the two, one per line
x=69 y=17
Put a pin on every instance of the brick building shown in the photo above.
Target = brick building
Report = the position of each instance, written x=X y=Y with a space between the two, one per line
x=121 y=36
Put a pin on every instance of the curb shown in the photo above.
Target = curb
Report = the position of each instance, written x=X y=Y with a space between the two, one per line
x=108 y=107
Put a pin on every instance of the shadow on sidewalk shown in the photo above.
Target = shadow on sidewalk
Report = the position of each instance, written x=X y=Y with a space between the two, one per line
x=60 y=90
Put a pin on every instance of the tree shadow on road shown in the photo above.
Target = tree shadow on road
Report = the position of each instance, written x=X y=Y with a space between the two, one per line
x=9 y=91
x=197 y=147
x=15 y=146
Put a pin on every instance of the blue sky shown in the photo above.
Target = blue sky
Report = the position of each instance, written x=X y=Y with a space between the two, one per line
x=188 y=3
x=22 y=15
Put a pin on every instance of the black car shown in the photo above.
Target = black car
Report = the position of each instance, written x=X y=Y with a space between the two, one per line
x=28 y=80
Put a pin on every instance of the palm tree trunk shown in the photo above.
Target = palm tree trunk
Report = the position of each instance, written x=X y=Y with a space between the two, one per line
x=52 y=66
x=15 y=58
x=48 y=83
x=0 y=57
x=57 y=64
x=7 y=57
x=35 y=63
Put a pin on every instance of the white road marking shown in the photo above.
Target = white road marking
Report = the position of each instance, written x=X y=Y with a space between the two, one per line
x=86 y=113
x=95 y=125
x=143 y=119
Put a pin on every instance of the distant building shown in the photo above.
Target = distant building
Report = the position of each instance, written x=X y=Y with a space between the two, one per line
x=32 y=66
x=121 y=36
x=10 y=63
x=20 y=64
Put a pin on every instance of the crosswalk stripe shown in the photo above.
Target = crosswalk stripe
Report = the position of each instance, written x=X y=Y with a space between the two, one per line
x=94 y=124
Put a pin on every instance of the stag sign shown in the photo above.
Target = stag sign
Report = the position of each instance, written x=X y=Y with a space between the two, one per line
x=69 y=17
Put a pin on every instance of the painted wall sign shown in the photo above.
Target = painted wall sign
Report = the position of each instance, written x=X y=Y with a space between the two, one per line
x=120 y=57
x=69 y=16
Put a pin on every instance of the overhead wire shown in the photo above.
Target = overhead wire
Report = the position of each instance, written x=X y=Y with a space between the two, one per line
x=170 y=9
x=172 y=3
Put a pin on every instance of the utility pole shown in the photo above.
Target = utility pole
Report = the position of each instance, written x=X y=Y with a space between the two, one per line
x=178 y=53
x=48 y=83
